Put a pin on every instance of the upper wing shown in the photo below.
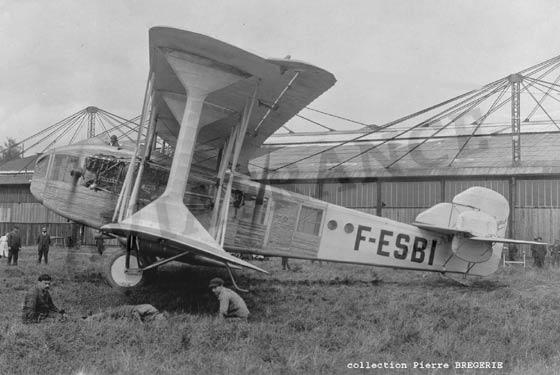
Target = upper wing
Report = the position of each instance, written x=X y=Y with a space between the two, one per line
x=285 y=87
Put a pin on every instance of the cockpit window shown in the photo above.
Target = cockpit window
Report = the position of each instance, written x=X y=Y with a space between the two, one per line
x=103 y=172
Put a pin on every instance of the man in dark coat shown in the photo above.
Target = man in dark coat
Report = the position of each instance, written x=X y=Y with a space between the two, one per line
x=43 y=244
x=14 y=244
x=513 y=251
x=38 y=304
x=555 y=253
x=539 y=253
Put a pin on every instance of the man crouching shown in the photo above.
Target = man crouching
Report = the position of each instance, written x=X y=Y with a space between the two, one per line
x=38 y=303
x=232 y=306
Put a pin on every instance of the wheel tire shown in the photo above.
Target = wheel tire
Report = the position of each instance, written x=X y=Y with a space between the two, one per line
x=115 y=271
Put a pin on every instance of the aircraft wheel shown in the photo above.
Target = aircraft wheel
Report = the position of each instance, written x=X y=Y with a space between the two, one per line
x=115 y=271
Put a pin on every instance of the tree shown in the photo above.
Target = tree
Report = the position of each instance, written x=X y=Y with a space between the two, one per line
x=11 y=150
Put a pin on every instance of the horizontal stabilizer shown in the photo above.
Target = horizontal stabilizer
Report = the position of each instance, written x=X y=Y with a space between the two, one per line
x=506 y=240
x=440 y=229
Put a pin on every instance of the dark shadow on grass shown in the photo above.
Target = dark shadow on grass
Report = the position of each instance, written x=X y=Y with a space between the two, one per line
x=477 y=284
x=434 y=281
x=178 y=288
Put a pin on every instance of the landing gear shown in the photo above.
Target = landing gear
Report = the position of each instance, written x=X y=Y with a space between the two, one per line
x=117 y=273
x=126 y=267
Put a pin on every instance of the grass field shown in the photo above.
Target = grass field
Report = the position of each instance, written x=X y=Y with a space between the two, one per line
x=316 y=319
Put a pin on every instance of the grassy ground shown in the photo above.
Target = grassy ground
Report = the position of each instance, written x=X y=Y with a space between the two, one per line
x=315 y=319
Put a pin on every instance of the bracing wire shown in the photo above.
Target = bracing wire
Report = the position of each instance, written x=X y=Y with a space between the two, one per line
x=479 y=123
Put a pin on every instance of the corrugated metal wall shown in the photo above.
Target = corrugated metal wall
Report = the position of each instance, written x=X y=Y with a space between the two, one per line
x=454 y=187
x=537 y=209
x=28 y=213
x=358 y=195
x=404 y=200
x=18 y=207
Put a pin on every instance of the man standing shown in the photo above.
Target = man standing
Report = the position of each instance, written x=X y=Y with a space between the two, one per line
x=4 y=246
x=555 y=253
x=232 y=305
x=43 y=244
x=38 y=303
x=285 y=265
x=539 y=253
x=14 y=244
x=512 y=252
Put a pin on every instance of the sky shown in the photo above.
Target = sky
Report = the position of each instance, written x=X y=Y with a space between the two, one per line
x=390 y=57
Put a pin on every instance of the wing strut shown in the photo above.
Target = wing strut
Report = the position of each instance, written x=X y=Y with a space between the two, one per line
x=220 y=182
x=233 y=149
x=131 y=207
x=157 y=264
x=122 y=201
x=233 y=279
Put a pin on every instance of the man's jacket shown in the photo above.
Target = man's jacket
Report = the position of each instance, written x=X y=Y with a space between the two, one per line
x=14 y=240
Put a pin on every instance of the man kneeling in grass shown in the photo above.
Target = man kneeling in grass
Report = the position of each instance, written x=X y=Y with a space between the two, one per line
x=140 y=313
x=38 y=304
x=232 y=306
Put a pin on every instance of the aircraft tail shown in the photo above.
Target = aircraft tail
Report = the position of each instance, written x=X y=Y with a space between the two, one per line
x=477 y=220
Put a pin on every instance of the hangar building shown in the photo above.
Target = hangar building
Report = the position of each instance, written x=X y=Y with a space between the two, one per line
x=419 y=180
x=424 y=177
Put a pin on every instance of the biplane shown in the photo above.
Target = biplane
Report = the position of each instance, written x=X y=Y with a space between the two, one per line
x=194 y=207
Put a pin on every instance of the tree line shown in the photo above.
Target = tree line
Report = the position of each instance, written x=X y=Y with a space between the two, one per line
x=10 y=150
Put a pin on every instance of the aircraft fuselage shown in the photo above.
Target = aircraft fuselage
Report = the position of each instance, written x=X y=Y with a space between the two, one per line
x=82 y=183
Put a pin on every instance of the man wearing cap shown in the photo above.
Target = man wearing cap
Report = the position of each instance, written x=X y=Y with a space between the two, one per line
x=38 y=303
x=43 y=244
x=232 y=305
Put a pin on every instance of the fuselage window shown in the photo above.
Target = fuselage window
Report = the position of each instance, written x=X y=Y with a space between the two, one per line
x=41 y=166
x=309 y=220
x=62 y=166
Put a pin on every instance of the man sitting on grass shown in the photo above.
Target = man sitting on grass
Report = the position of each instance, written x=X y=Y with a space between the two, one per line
x=232 y=306
x=38 y=304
